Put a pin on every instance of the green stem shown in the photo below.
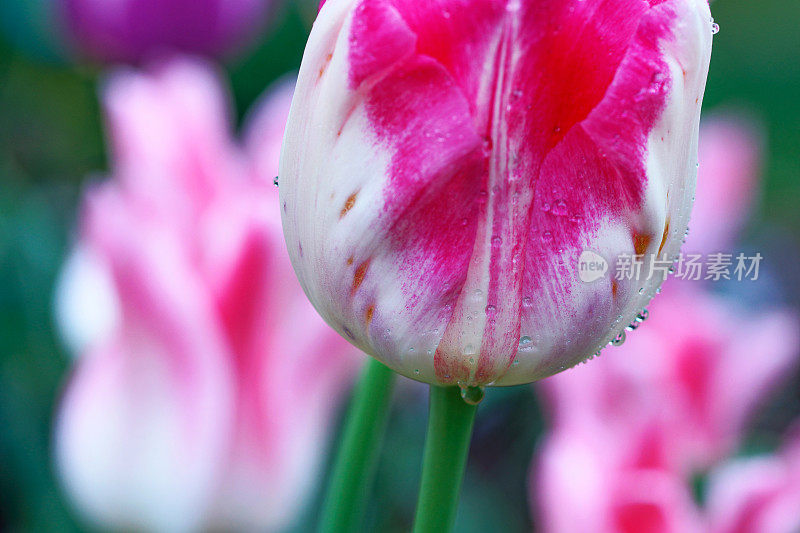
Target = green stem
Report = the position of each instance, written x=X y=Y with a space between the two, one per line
x=358 y=452
x=449 y=433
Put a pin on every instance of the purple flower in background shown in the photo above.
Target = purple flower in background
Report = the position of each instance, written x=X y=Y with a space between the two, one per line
x=134 y=30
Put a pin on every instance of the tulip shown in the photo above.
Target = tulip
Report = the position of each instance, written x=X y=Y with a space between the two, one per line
x=203 y=399
x=596 y=478
x=700 y=365
x=135 y=30
x=758 y=494
x=446 y=163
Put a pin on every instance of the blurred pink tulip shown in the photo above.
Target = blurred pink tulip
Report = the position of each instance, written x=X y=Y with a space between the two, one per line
x=605 y=479
x=699 y=365
x=204 y=401
x=135 y=30
x=446 y=162
x=730 y=159
x=681 y=389
x=757 y=494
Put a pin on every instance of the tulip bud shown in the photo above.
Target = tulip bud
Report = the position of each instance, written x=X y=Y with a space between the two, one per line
x=447 y=163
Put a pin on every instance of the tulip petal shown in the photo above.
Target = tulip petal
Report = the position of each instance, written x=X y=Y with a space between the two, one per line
x=142 y=433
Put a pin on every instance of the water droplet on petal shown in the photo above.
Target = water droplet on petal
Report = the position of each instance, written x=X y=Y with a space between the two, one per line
x=619 y=340
x=275 y=181
x=714 y=27
x=560 y=208
x=472 y=395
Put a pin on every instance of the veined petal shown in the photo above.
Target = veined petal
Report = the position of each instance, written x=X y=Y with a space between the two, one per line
x=142 y=433
x=447 y=162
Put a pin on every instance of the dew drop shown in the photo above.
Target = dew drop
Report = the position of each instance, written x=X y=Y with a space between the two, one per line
x=275 y=181
x=527 y=301
x=547 y=236
x=619 y=340
x=472 y=395
x=496 y=242
x=714 y=27
x=469 y=349
x=416 y=371
x=524 y=341
x=560 y=208
x=490 y=310
x=641 y=290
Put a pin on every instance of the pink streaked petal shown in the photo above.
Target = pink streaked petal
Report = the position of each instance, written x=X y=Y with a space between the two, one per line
x=591 y=479
x=757 y=494
x=170 y=133
x=704 y=383
x=142 y=433
x=129 y=447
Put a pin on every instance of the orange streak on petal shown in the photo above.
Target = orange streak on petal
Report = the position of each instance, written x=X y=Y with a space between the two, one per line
x=348 y=204
x=358 y=277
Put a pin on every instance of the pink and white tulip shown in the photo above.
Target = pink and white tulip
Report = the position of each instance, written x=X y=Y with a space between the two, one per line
x=700 y=366
x=204 y=401
x=446 y=163
x=597 y=478
x=757 y=494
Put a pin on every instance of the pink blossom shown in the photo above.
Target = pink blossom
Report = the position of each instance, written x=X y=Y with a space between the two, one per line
x=700 y=365
x=607 y=479
x=446 y=163
x=757 y=494
x=729 y=171
x=204 y=401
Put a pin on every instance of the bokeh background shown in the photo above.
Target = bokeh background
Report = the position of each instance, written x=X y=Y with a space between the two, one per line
x=52 y=141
